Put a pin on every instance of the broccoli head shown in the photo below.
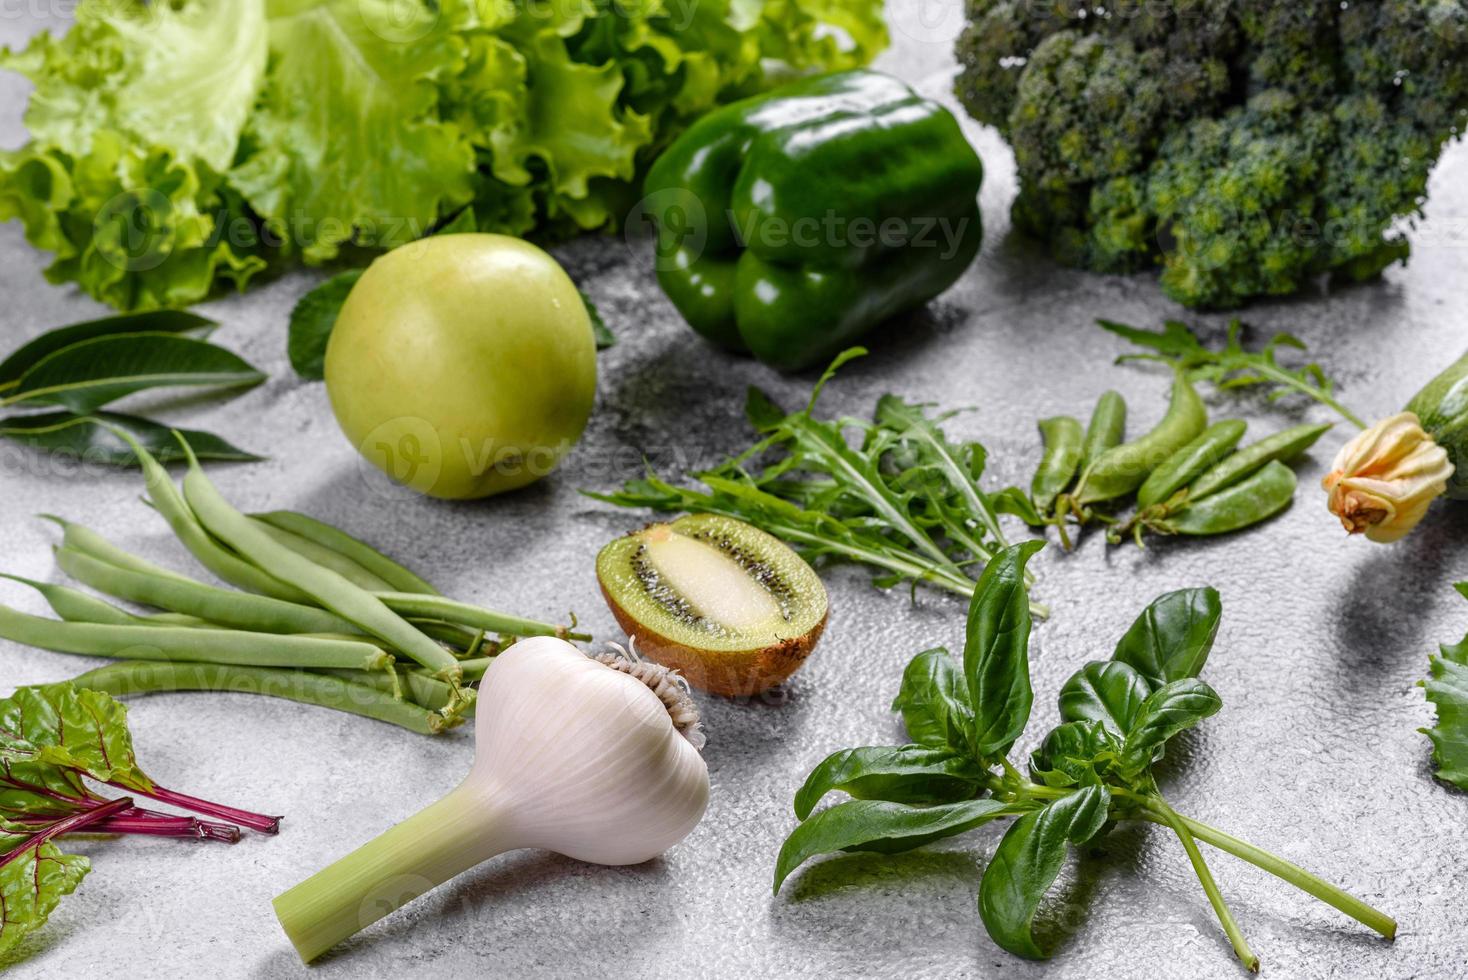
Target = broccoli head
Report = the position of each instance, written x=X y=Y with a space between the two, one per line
x=1244 y=146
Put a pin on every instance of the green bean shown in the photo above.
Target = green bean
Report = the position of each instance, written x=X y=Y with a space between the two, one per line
x=326 y=558
x=1257 y=498
x=422 y=688
x=1107 y=426
x=81 y=538
x=186 y=527
x=464 y=614
x=1062 y=438
x=76 y=606
x=453 y=634
x=241 y=610
x=181 y=643
x=329 y=589
x=1282 y=446
x=399 y=579
x=1216 y=442
x=1124 y=468
x=301 y=686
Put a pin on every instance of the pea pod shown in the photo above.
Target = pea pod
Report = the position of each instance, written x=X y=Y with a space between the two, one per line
x=1062 y=438
x=1183 y=466
x=1124 y=468
x=1106 y=429
x=1257 y=498
x=1282 y=447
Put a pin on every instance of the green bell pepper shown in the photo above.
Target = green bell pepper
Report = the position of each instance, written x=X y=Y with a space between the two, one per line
x=792 y=223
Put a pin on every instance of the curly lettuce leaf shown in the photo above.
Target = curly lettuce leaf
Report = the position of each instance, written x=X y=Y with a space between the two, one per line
x=1447 y=689
x=345 y=144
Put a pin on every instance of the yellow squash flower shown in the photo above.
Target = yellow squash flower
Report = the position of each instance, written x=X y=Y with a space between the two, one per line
x=1383 y=480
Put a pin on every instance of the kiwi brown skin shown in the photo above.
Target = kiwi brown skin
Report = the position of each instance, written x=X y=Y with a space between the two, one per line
x=739 y=673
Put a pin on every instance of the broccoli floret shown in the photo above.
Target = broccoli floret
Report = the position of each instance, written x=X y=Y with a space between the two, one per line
x=1247 y=147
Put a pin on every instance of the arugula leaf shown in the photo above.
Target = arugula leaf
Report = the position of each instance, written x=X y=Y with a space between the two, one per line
x=1234 y=367
x=934 y=701
x=1447 y=690
x=92 y=438
x=91 y=373
x=996 y=654
x=1028 y=860
x=915 y=774
x=1171 y=639
x=32 y=883
x=1170 y=709
x=888 y=828
x=1105 y=691
x=599 y=329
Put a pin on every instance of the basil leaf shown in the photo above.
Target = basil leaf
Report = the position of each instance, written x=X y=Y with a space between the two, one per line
x=914 y=774
x=1172 y=637
x=1077 y=753
x=92 y=373
x=934 y=702
x=1029 y=859
x=312 y=321
x=1168 y=710
x=81 y=436
x=33 y=882
x=154 y=321
x=996 y=658
x=1105 y=691
x=888 y=828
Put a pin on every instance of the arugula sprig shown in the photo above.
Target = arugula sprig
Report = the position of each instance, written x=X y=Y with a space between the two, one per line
x=1233 y=366
x=1447 y=689
x=893 y=492
x=52 y=741
x=1091 y=771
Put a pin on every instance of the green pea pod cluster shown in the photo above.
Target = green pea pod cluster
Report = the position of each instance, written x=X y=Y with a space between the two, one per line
x=1187 y=477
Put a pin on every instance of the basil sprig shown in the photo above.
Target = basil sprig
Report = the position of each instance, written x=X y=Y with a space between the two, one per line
x=1090 y=772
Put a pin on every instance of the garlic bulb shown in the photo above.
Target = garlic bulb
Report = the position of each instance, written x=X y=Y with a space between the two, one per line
x=593 y=759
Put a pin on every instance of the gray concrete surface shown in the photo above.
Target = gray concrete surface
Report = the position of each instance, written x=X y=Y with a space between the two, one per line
x=1316 y=753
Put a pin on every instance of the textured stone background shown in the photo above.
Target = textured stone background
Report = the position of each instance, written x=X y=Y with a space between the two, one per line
x=1315 y=755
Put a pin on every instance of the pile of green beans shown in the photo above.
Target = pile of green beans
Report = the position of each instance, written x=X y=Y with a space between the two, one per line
x=316 y=616
x=1185 y=476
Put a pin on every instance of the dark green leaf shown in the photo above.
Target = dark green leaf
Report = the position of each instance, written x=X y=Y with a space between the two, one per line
x=604 y=336
x=32 y=883
x=996 y=659
x=1029 y=859
x=154 y=321
x=887 y=828
x=1172 y=637
x=312 y=321
x=934 y=702
x=916 y=774
x=1075 y=753
x=1016 y=503
x=1168 y=710
x=1107 y=691
x=83 y=438
x=463 y=223
x=92 y=373
x=761 y=411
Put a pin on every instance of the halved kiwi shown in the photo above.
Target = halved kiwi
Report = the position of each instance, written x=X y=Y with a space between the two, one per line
x=729 y=606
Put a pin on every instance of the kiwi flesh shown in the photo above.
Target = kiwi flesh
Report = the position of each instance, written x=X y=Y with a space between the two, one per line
x=730 y=607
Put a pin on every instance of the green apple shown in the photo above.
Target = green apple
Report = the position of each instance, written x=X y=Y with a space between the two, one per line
x=463 y=365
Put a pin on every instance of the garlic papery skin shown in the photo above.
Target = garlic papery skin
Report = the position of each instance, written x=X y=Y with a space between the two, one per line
x=1384 y=479
x=572 y=756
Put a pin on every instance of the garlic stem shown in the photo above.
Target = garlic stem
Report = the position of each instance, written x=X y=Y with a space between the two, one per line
x=449 y=837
